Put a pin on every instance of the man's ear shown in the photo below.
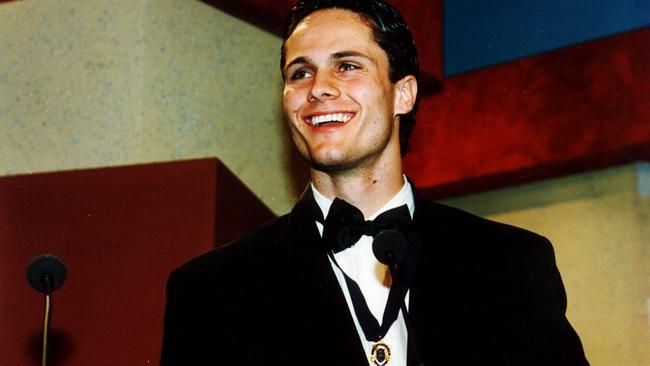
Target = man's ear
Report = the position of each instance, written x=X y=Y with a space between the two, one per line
x=406 y=90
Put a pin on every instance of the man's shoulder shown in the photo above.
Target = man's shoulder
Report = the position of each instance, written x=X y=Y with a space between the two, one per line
x=250 y=253
x=485 y=254
x=461 y=225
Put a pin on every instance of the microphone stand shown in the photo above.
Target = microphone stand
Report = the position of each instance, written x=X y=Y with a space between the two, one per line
x=47 y=280
x=411 y=341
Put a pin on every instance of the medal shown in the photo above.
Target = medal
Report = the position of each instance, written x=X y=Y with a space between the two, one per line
x=380 y=353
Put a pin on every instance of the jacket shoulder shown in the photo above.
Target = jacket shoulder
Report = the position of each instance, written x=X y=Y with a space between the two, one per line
x=459 y=222
x=250 y=254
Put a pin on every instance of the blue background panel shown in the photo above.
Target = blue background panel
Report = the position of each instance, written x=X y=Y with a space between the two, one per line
x=482 y=33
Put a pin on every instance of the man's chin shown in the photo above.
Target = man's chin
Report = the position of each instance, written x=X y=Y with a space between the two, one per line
x=332 y=166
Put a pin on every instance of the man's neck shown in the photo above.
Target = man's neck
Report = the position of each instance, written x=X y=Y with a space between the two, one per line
x=368 y=191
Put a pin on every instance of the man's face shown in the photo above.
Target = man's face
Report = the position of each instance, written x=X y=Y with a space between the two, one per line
x=338 y=98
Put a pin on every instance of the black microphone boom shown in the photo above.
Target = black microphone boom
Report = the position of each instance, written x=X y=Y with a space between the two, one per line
x=389 y=246
x=46 y=273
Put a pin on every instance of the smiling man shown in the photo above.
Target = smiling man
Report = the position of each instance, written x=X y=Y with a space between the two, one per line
x=309 y=289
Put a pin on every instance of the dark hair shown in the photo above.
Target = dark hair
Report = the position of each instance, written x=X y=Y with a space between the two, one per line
x=389 y=31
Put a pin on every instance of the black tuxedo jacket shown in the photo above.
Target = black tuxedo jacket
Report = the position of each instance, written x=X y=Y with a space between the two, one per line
x=483 y=293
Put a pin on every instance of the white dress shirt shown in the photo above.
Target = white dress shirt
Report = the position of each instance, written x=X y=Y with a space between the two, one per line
x=360 y=264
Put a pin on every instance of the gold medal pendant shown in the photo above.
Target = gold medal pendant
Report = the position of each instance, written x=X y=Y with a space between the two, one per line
x=380 y=353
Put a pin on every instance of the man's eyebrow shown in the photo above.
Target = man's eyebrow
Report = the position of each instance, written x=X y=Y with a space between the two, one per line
x=297 y=60
x=335 y=56
x=343 y=54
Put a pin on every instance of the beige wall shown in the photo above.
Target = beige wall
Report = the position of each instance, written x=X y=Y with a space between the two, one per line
x=599 y=224
x=90 y=83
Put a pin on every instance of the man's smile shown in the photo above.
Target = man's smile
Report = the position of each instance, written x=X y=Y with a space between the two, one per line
x=319 y=120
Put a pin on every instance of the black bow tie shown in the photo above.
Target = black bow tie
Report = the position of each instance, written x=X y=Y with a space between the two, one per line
x=345 y=224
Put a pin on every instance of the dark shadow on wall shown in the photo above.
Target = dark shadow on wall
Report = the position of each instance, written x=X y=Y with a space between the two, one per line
x=60 y=347
x=265 y=14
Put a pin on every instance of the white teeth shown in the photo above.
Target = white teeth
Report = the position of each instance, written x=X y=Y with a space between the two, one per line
x=332 y=117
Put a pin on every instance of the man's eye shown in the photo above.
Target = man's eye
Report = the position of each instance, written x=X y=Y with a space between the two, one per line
x=300 y=74
x=347 y=67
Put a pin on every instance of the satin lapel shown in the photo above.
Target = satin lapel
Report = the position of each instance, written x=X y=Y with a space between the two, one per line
x=430 y=288
x=325 y=332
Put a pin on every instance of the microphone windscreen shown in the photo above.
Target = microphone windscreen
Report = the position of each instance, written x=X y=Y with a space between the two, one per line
x=389 y=246
x=46 y=273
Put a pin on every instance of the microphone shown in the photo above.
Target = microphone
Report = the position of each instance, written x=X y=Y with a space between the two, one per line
x=45 y=274
x=390 y=247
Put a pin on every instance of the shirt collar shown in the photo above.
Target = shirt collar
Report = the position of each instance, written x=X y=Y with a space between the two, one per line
x=403 y=197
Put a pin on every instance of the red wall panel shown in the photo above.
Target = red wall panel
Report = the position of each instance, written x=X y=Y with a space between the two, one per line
x=584 y=101
x=120 y=231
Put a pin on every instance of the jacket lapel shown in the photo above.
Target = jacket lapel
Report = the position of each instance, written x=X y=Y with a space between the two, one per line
x=439 y=301
x=325 y=332
x=430 y=288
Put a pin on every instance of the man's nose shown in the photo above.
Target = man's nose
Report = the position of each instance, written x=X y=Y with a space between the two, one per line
x=324 y=87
